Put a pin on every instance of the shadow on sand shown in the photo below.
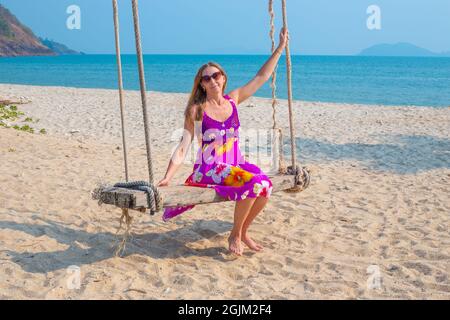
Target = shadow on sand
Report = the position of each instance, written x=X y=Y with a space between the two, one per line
x=399 y=154
x=100 y=246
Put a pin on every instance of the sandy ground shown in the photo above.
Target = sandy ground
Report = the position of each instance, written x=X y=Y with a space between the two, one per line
x=373 y=224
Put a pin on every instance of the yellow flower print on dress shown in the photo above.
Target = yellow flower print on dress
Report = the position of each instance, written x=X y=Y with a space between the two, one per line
x=221 y=149
x=237 y=177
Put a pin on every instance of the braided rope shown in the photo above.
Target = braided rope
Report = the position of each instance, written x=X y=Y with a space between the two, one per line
x=276 y=129
x=302 y=174
x=120 y=84
x=274 y=74
x=127 y=219
x=154 y=198
x=289 y=83
x=302 y=178
x=137 y=34
x=154 y=202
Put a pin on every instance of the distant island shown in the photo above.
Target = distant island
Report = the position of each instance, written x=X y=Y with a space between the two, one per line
x=401 y=49
x=17 y=39
x=58 y=47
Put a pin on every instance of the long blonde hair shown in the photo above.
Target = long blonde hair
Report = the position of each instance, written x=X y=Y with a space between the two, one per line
x=198 y=95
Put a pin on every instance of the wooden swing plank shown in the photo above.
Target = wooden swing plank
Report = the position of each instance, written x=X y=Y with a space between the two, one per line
x=180 y=195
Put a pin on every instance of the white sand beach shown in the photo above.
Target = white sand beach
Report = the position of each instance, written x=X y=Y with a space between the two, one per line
x=374 y=223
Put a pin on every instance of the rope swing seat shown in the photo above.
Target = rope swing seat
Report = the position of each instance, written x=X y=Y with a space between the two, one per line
x=143 y=195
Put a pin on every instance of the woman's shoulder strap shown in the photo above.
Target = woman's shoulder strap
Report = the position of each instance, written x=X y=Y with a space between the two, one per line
x=230 y=99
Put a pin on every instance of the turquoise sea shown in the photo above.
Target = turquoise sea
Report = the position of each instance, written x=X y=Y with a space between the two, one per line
x=350 y=79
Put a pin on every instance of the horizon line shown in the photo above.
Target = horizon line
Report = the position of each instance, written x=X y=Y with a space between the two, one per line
x=239 y=54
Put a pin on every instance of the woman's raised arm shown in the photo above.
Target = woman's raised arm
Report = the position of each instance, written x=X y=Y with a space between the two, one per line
x=246 y=91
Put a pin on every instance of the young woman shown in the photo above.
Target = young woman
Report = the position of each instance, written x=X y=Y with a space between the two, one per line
x=219 y=163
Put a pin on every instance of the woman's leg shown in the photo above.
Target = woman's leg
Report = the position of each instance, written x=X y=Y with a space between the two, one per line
x=241 y=211
x=258 y=205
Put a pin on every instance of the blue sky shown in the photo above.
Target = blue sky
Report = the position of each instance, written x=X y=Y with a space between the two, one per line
x=328 y=27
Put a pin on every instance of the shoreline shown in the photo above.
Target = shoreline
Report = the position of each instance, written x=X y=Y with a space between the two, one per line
x=314 y=102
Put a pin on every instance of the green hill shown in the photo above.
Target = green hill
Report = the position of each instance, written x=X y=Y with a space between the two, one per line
x=17 y=39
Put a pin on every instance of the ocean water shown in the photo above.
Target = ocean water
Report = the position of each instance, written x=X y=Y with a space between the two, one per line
x=350 y=79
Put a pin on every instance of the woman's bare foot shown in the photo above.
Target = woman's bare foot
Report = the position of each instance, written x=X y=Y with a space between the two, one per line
x=251 y=244
x=235 y=245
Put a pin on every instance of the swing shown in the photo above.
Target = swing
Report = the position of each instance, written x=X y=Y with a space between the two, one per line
x=142 y=195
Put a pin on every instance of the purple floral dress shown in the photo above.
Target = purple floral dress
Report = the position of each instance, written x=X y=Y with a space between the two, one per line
x=220 y=165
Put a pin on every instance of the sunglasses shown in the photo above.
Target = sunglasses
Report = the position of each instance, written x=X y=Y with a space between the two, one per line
x=215 y=76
